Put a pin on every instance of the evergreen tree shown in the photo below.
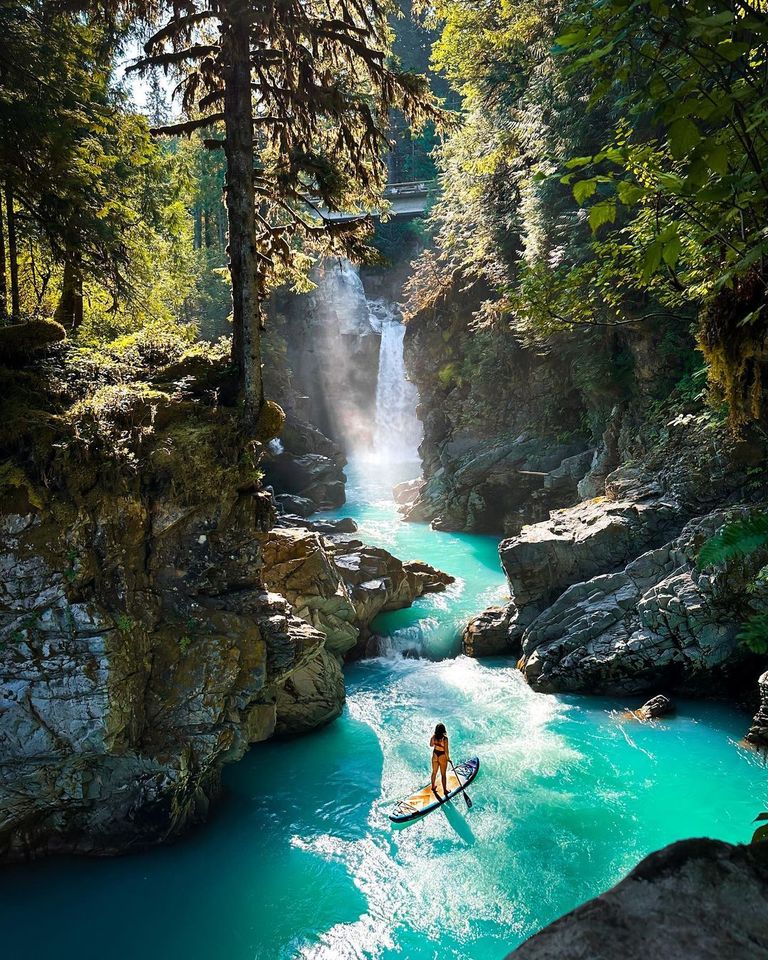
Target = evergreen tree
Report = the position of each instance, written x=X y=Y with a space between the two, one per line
x=302 y=90
x=71 y=159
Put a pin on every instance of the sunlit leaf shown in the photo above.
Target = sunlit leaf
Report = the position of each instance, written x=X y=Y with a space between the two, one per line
x=671 y=251
x=583 y=189
x=602 y=213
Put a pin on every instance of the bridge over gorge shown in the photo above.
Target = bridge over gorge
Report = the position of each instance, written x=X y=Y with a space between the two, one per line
x=404 y=199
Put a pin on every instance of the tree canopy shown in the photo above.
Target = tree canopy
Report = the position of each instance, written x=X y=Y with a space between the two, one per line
x=610 y=172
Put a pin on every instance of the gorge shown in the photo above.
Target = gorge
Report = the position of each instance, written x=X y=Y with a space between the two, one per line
x=365 y=367
x=559 y=773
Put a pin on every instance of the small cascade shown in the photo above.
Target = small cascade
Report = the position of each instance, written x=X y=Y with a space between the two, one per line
x=398 y=431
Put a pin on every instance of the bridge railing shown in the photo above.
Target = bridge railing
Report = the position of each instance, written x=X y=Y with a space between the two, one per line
x=413 y=190
x=410 y=187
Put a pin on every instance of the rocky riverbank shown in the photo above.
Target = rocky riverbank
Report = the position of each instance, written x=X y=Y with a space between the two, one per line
x=608 y=595
x=607 y=471
x=154 y=623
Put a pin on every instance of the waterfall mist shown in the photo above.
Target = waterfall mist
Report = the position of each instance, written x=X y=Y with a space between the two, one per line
x=348 y=357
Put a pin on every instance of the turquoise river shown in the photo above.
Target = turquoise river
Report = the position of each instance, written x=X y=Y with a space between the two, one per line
x=300 y=860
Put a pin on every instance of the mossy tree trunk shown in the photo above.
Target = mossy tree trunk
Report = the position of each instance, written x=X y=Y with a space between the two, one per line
x=243 y=256
x=3 y=276
x=69 y=312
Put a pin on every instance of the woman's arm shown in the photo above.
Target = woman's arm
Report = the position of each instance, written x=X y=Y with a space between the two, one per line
x=431 y=741
x=447 y=749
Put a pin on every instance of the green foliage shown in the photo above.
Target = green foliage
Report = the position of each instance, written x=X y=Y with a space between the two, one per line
x=610 y=172
x=754 y=633
x=742 y=538
x=447 y=374
x=70 y=574
x=685 y=163
x=737 y=539
x=399 y=237
x=81 y=167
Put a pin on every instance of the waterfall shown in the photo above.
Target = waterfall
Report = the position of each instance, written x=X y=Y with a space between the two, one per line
x=398 y=431
x=348 y=359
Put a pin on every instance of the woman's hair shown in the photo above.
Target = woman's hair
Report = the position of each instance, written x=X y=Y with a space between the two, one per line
x=440 y=731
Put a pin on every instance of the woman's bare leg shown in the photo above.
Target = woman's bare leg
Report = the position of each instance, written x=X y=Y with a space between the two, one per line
x=434 y=770
x=443 y=771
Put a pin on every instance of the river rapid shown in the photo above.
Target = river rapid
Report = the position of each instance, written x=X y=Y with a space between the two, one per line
x=300 y=859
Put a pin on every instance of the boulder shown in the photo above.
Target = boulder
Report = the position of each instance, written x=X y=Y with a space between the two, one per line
x=327 y=527
x=19 y=342
x=306 y=465
x=660 y=621
x=312 y=476
x=490 y=634
x=655 y=708
x=297 y=564
x=288 y=503
x=693 y=900
x=340 y=585
x=311 y=697
x=407 y=492
x=426 y=578
x=584 y=541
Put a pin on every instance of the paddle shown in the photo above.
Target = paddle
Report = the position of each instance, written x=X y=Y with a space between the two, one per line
x=464 y=793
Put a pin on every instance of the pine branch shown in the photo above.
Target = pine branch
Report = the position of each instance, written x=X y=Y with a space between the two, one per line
x=176 y=27
x=187 y=127
x=195 y=52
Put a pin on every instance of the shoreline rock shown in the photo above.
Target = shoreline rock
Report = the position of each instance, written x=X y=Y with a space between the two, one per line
x=693 y=900
x=659 y=622
x=758 y=732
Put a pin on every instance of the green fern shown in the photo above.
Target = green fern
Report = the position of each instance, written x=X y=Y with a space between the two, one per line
x=754 y=633
x=737 y=539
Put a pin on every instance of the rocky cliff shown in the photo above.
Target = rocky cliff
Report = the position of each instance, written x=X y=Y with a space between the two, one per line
x=513 y=430
x=599 y=458
x=608 y=595
x=330 y=351
x=153 y=623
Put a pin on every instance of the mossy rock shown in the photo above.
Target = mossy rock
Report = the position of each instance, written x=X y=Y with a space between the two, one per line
x=21 y=341
x=270 y=422
x=202 y=368
x=17 y=492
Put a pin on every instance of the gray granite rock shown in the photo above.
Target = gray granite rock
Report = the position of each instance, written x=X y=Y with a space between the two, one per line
x=758 y=732
x=144 y=643
x=311 y=697
x=693 y=900
x=492 y=633
x=660 y=621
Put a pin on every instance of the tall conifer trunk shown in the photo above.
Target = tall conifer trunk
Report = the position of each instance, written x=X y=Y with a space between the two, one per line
x=238 y=119
x=69 y=311
x=13 y=255
x=3 y=277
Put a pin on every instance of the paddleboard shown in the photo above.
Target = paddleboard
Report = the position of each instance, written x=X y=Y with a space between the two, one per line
x=424 y=800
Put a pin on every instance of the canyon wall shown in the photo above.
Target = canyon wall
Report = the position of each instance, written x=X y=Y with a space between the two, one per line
x=606 y=469
x=154 y=622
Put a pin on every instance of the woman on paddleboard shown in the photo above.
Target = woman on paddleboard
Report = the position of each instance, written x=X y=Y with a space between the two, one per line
x=440 y=757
